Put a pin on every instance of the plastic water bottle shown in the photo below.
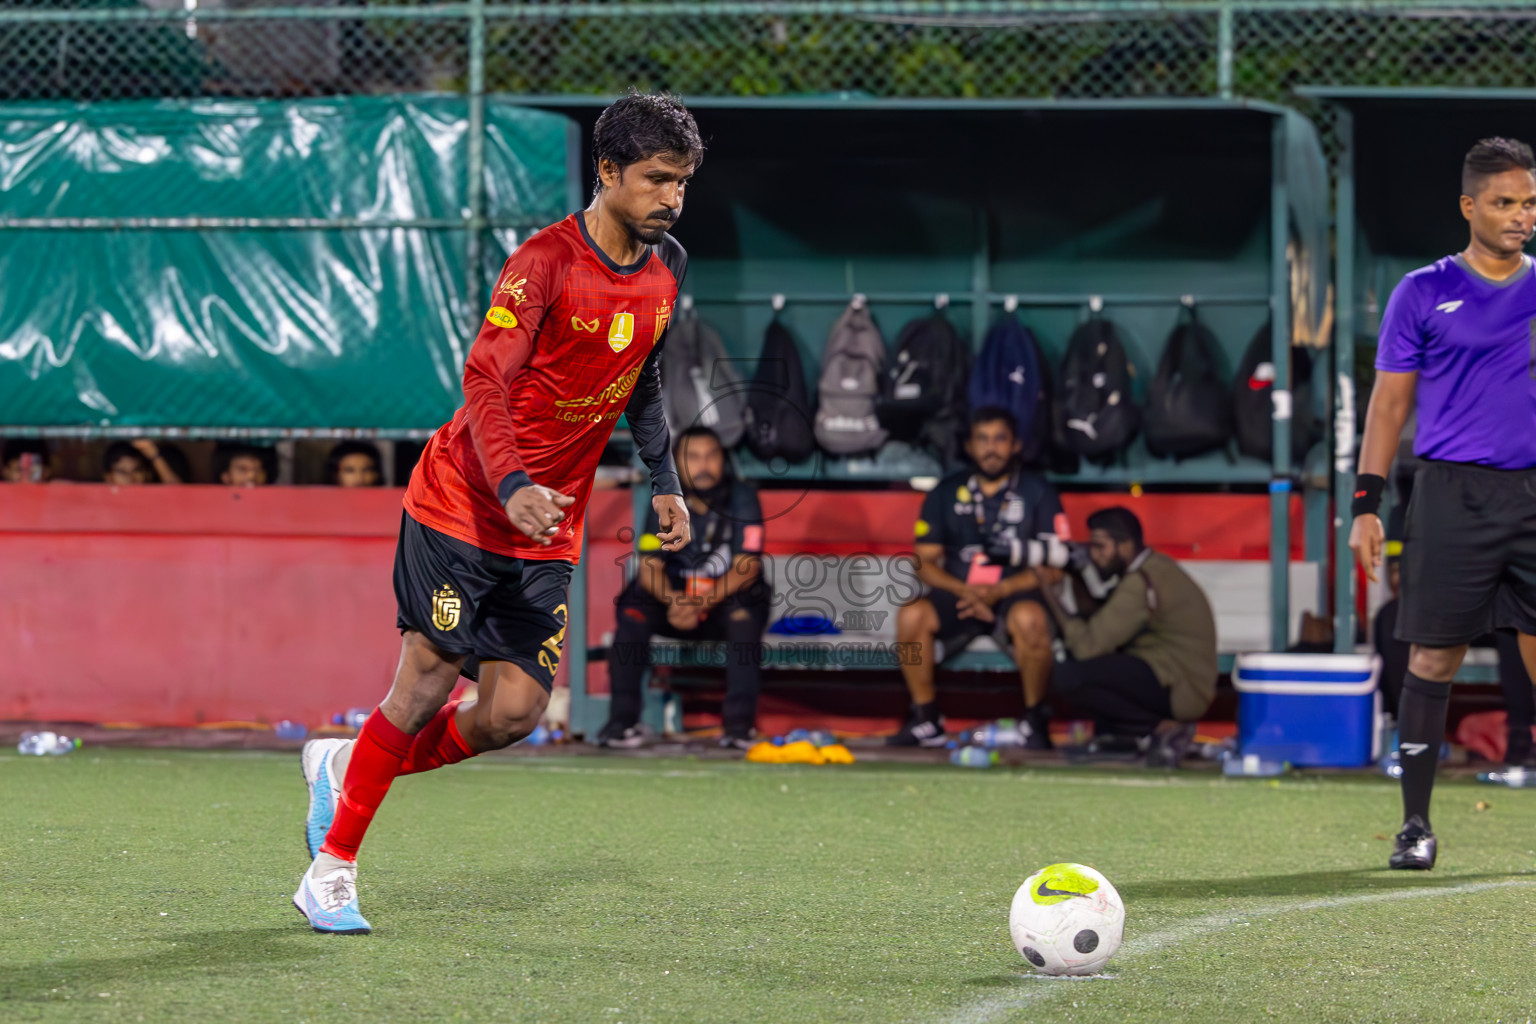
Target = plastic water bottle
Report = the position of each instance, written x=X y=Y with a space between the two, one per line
x=973 y=757
x=1515 y=778
x=1002 y=733
x=290 y=730
x=352 y=718
x=1253 y=765
x=538 y=737
x=46 y=744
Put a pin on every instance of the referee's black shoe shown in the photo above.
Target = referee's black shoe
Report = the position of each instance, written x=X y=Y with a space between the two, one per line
x=1415 y=849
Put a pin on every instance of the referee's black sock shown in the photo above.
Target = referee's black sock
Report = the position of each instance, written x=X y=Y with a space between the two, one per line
x=1420 y=731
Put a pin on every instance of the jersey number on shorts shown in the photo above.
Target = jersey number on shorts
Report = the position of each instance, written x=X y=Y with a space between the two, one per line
x=549 y=657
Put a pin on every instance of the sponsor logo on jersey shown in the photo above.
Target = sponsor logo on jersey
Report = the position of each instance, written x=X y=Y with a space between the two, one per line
x=615 y=392
x=512 y=285
x=621 y=331
x=663 y=314
x=578 y=324
x=445 y=607
x=1450 y=307
x=501 y=316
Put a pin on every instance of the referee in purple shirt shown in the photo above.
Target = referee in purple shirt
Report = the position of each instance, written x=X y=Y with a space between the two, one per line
x=1461 y=335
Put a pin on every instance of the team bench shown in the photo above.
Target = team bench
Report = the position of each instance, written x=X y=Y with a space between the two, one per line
x=1238 y=592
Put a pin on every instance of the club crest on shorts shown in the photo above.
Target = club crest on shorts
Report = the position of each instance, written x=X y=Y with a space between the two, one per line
x=621 y=332
x=445 y=607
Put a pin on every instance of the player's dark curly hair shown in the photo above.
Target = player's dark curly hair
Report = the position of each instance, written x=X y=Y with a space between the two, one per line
x=1120 y=523
x=1494 y=156
x=642 y=125
x=995 y=414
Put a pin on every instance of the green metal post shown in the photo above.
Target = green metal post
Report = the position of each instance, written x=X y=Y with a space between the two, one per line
x=1280 y=323
x=475 y=161
x=1224 y=51
x=1344 y=387
x=573 y=169
x=584 y=717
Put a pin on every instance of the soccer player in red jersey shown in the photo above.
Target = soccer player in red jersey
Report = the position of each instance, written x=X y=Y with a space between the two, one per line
x=493 y=515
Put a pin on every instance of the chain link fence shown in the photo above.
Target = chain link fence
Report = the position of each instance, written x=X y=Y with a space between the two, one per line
x=117 y=49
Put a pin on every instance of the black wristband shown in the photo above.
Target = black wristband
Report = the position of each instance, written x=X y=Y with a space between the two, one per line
x=1368 y=488
x=511 y=484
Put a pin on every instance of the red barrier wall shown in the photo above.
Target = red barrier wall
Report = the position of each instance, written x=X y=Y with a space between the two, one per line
x=188 y=605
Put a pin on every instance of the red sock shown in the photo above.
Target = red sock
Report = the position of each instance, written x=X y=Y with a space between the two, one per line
x=438 y=743
x=375 y=762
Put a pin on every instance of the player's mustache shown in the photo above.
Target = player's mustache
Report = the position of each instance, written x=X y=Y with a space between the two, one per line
x=665 y=215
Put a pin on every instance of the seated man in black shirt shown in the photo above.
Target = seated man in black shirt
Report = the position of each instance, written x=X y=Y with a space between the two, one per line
x=712 y=589
x=977 y=537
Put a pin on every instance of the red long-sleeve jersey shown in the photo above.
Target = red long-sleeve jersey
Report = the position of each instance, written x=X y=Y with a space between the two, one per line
x=569 y=343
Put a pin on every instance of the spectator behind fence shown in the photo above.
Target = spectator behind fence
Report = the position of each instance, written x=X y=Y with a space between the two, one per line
x=25 y=460
x=1144 y=664
x=125 y=464
x=977 y=538
x=244 y=465
x=711 y=589
x=354 y=464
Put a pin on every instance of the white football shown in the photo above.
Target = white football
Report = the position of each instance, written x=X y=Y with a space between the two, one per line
x=1067 y=919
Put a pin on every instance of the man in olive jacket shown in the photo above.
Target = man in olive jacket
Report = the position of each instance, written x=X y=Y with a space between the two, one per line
x=1144 y=664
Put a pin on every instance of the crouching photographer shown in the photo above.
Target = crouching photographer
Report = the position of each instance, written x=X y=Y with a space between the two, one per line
x=1143 y=664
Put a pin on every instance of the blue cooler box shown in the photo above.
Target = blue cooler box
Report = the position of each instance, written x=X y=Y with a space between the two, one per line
x=1313 y=710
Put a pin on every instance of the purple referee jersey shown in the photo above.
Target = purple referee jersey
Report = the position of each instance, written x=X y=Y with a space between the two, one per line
x=1472 y=342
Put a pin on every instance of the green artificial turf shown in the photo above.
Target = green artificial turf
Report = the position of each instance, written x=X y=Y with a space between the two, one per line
x=155 y=886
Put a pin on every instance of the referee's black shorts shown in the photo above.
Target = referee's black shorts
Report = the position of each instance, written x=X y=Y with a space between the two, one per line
x=1469 y=554
x=486 y=606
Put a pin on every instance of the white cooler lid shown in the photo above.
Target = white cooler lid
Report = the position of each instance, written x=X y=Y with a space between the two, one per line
x=1307 y=675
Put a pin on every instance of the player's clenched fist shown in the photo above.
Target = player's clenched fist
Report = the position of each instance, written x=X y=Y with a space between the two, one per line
x=672 y=514
x=537 y=511
x=1365 y=540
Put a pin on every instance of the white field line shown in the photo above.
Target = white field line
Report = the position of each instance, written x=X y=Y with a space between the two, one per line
x=1035 y=988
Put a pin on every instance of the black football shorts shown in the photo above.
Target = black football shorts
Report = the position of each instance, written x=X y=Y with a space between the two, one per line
x=1469 y=554
x=486 y=606
x=956 y=633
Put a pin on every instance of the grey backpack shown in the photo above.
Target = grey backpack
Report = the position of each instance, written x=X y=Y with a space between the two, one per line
x=700 y=385
x=851 y=370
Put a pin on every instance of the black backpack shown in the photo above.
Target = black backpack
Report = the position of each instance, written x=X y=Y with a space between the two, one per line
x=780 y=421
x=1096 y=413
x=1188 y=410
x=1253 y=400
x=922 y=399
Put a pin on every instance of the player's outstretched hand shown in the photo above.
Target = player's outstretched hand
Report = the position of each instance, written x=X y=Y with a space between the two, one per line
x=1365 y=540
x=672 y=514
x=538 y=511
